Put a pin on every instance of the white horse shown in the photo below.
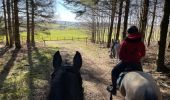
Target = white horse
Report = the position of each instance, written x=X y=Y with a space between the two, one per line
x=139 y=86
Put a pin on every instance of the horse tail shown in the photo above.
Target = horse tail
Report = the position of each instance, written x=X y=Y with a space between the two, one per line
x=150 y=95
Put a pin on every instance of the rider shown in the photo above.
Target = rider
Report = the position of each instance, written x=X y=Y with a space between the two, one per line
x=131 y=51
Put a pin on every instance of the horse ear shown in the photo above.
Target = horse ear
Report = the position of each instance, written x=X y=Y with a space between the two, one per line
x=57 y=60
x=77 y=60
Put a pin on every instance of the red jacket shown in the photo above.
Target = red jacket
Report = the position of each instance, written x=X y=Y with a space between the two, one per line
x=132 y=48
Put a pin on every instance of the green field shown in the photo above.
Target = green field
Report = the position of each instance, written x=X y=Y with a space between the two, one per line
x=57 y=34
x=50 y=31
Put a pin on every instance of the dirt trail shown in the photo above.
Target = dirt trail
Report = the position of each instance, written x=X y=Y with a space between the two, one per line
x=95 y=71
x=96 y=68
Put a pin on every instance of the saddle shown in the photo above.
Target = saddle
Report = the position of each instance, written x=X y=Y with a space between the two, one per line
x=118 y=82
x=120 y=78
x=122 y=74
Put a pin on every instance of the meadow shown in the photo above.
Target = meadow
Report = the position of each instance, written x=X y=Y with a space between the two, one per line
x=49 y=31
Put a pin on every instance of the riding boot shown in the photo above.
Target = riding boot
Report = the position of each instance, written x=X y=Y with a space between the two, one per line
x=114 y=86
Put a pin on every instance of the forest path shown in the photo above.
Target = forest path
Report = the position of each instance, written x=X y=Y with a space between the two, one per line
x=96 y=69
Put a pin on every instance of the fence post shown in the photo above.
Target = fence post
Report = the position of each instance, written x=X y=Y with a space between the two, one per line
x=22 y=39
x=44 y=42
x=3 y=39
x=42 y=38
x=86 y=40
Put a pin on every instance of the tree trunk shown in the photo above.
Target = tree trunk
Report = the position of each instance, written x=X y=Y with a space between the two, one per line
x=110 y=32
x=5 y=21
x=32 y=23
x=169 y=40
x=126 y=17
x=119 y=19
x=28 y=23
x=17 y=35
x=153 y=19
x=9 y=23
x=163 y=36
x=143 y=18
x=97 y=29
x=93 y=27
x=103 y=29
x=112 y=20
x=13 y=21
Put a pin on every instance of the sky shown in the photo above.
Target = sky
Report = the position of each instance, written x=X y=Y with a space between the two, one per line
x=64 y=14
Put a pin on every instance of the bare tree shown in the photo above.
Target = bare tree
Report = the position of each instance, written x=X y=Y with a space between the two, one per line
x=32 y=22
x=163 y=36
x=9 y=23
x=13 y=17
x=143 y=17
x=28 y=23
x=113 y=10
x=169 y=41
x=5 y=21
x=126 y=17
x=119 y=19
x=17 y=35
x=93 y=27
x=153 y=19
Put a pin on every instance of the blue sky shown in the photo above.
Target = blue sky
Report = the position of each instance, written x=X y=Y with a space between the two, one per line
x=64 y=14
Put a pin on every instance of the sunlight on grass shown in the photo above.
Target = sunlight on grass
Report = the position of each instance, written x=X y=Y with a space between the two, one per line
x=25 y=80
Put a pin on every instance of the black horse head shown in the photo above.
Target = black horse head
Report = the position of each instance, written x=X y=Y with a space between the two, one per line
x=66 y=81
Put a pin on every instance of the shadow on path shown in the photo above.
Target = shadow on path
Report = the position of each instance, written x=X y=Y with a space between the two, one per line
x=30 y=79
x=39 y=71
x=3 y=50
x=6 y=68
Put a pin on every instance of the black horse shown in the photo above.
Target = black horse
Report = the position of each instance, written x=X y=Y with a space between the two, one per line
x=66 y=81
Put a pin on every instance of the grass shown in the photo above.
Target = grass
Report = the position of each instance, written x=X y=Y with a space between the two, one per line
x=28 y=75
x=29 y=71
x=54 y=34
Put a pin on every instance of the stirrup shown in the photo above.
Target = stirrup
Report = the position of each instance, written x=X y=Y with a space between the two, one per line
x=111 y=90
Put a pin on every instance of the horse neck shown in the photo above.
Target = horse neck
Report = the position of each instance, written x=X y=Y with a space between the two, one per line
x=73 y=86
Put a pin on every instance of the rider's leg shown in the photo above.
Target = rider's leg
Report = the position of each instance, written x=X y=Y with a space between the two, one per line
x=115 y=74
x=134 y=67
